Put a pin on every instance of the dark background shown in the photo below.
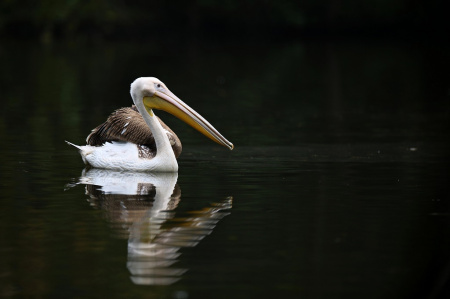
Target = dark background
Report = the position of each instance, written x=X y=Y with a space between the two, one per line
x=339 y=112
x=233 y=19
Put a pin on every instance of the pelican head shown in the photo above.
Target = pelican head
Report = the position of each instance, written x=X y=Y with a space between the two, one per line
x=151 y=93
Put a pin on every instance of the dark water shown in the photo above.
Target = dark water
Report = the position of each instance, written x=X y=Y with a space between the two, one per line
x=337 y=187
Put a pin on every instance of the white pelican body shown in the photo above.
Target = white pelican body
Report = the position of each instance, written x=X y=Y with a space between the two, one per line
x=147 y=93
x=125 y=156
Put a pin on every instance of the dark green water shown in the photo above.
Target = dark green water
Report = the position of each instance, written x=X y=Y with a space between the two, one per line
x=337 y=187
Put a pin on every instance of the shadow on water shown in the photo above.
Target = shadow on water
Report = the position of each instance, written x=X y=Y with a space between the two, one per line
x=142 y=208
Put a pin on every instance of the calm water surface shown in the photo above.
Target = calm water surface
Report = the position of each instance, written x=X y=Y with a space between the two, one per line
x=337 y=188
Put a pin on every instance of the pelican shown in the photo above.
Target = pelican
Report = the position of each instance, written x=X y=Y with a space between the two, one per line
x=135 y=139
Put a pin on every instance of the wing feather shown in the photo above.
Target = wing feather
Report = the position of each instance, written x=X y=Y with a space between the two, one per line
x=127 y=124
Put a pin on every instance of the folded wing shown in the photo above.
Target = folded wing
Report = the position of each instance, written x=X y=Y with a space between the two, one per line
x=127 y=124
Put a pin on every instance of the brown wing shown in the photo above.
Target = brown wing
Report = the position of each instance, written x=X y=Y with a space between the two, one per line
x=127 y=124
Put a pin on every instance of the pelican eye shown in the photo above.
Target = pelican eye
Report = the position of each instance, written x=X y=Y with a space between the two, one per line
x=158 y=85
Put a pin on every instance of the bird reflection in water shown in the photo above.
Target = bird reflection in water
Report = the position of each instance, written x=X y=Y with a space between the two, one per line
x=141 y=207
